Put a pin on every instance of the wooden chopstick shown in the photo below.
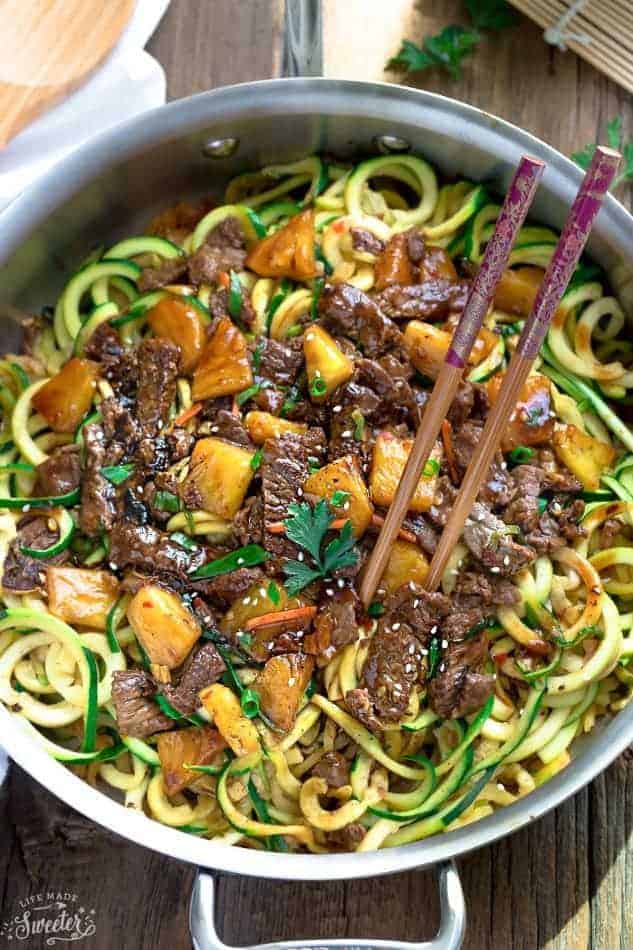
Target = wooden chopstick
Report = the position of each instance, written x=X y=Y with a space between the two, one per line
x=515 y=207
x=561 y=267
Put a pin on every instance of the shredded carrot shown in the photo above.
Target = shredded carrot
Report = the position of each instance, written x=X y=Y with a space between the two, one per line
x=447 y=439
x=280 y=616
x=235 y=409
x=223 y=279
x=403 y=534
x=279 y=527
x=338 y=523
x=188 y=414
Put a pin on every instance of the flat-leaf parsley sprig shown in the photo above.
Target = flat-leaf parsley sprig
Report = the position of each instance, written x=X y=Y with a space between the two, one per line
x=614 y=140
x=307 y=527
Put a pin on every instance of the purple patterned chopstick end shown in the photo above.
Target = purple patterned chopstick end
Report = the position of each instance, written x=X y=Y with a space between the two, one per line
x=587 y=203
x=511 y=217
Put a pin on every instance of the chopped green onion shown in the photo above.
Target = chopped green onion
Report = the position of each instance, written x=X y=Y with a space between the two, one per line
x=313 y=464
x=248 y=556
x=375 y=609
x=166 y=501
x=277 y=299
x=521 y=453
x=318 y=386
x=359 y=425
x=117 y=473
x=320 y=256
x=256 y=460
x=250 y=703
x=295 y=330
x=311 y=688
x=179 y=537
x=338 y=499
x=245 y=639
x=317 y=290
x=236 y=298
x=258 y=352
x=247 y=394
x=431 y=468
x=435 y=654
x=49 y=501
x=273 y=593
x=542 y=505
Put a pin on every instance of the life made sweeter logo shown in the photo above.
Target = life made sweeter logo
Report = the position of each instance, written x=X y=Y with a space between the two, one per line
x=53 y=916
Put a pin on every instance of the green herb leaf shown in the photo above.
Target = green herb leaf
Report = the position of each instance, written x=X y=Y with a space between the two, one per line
x=307 y=527
x=256 y=460
x=318 y=387
x=236 y=298
x=320 y=256
x=245 y=639
x=542 y=505
x=117 y=474
x=446 y=49
x=248 y=556
x=299 y=575
x=614 y=139
x=521 y=453
x=491 y=14
x=317 y=290
x=166 y=501
x=375 y=609
x=339 y=498
x=273 y=593
x=341 y=551
x=584 y=156
x=277 y=298
x=431 y=468
x=250 y=703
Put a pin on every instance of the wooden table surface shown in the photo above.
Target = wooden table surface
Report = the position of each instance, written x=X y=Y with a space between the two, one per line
x=563 y=882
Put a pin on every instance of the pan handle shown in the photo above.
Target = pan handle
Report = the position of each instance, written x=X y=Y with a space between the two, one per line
x=302 y=53
x=449 y=937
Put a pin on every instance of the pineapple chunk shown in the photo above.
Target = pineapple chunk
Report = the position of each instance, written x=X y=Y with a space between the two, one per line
x=196 y=745
x=406 y=563
x=288 y=252
x=239 y=732
x=254 y=603
x=224 y=367
x=344 y=475
x=81 y=596
x=219 y=476
x=281 y=685
x=165 y=628
x=263 y=425
x=587 y=458
x=181 y=323
x=427 y=346
x=325 y=361
x=516 y=291
x=66 y=398
x=530 y=422
x=393 y=265
x=390 y=457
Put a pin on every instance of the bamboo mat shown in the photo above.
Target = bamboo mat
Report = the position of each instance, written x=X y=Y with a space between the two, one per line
x=601 y=32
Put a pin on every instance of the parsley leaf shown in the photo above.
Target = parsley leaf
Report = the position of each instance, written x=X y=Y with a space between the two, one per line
x=491 y=14
x=614 y=140
x=307 y=527
x=445 y=49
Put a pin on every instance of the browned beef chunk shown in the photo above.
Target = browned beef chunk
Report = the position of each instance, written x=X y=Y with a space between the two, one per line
x=499 y=487
x=120 y=428
x=151 y=551
x=463 y=403
x=158 y=371
x=104 y=346
x=487 y=537
x=223 y=250
x=361 y=707
x=284 y=469
x=23 y=573
x=365 y=241
x=387 y=378
x=122 y=373
x=136 y=713
x=349 y=312
x=443 y=501
x=336 y=623
x=346 y=838
x=334 y=768
x=179 y=444
x=416 y=248
x=226 y=588
x=219 y=306
x=486 y=588
x=170 y=271
x=460 y=687
x=395 y=661
x=424 y=532
x=97 y=493
x=277 y=362
x=203 y=666
x=248 y=524
x=553 y=528
x=60 y=473
x=231 y=428
x=434 y=299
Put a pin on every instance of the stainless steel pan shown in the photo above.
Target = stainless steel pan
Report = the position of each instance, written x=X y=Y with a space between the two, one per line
x=111 y=186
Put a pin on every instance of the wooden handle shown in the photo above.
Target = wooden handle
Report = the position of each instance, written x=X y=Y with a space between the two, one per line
x=49 y=47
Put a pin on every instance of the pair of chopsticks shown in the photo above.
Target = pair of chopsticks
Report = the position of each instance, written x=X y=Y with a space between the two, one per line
x=574 y=236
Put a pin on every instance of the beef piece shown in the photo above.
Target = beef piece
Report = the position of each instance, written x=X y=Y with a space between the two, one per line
x=558 y=526
x=416 y=248
x=22 y=573
x=434 y=299
x=463 y=619
x=465 y=439
x=553 y=528
x=203 y=666
x=228 y=233
x=387 y=378
x=231 y=428
x=361 y=707
x=219 y=306
x=486 y=588
x=270 y=399
x=335 y=625
x=158 y=371
x=395 y=662
x=120 y=428
x=347 y=311
x=524 y=510
x=346 y=838
x=104 y=346
x=462 y=404
x=134 y=509
x=150 y=551
x=97 y=493
x=226 y=588
x=460 y=687
x=443 y=501
x=284 y=469
x=486 y=536
x=60 y=473
x=122 y=374
x=170 y=271
x=208 y=617
x=248 y=523
x=415 y=523
x=136 y=714
x=334 y=768
x=365 y=241
x=223 y=250
x=499 y=486
x=179 y=444
x=277 y=362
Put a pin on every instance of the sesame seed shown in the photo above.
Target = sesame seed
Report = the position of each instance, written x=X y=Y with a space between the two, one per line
x=340 y=582
x=506 y=559
x=425 y=652
x=337 y=408
x=329 y=592
x=347 y=434
x=113 y=566
x=26 y=508
x=495 y=570
x=246 y=601
x=263 y=593
x=396 y=626
x=381 y=591
x=434 y=628
x=346 y=506
x=411 y=585
x=300 y=492
x=504 y=466
x=412 y=649
x=300 y=556
x=444 y=644
x=215 y=428
x=317 y=372
x=442 y=667
x=255 y=601
x=408 y=667
x=501 y=787
x=160 y=424
x=291 y=681
x=416 y=602
x=270 y=645
x=240 y=560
